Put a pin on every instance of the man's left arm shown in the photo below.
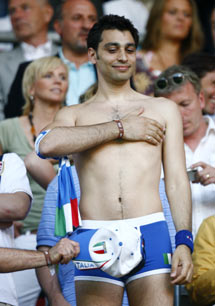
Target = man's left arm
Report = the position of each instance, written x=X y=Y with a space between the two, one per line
x=179 y=194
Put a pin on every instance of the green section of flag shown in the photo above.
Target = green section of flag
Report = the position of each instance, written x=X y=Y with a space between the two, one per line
x=99 y=244
x=167 y=258
x=60 y=223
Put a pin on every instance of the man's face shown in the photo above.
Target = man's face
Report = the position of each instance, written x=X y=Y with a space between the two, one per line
x=29 y=17
x=115 y=58
x=78 y=17
x=208 y=87
x=190 y=106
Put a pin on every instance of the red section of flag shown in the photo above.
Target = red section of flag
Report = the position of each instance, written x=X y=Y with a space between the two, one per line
x=99 y=252
x=74 y=210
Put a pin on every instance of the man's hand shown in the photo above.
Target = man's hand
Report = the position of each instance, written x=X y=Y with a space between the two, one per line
x=64 y=251
x=206 y=176
x=139 y=128
x=182 y=266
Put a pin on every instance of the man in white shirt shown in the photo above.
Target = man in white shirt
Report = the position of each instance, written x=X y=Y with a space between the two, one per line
x=15 y=201
x=30 y=20
x=182 y=86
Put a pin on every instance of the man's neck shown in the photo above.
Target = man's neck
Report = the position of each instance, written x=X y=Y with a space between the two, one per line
x=37 y=40
x=193 y=140
x=77 y=58
x=114 y=93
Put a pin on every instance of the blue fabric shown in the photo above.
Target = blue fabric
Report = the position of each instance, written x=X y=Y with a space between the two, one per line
x=157 y=243
x=66 y=195
x=167 y=213
x=45 y=234
x=80 y=79
x=184 y=237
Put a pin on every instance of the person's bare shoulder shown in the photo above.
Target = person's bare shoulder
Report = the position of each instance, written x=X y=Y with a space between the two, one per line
x=66 y=116
x=170 y=112
x=169 y=107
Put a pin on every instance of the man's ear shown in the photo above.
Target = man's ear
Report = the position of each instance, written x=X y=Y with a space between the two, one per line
x=92 y=55
x=48 y=12
x=202 y=99
x=57 y=27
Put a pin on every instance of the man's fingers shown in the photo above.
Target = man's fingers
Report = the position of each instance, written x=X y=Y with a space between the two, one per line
x=154 y=140
x=182 y=275
x=137 y=112
x=174 y=268
x=189 y=275
x=199 y=164
x=64 y=251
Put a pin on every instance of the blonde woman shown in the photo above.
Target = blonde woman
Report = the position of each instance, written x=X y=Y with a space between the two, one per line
x=45 y=85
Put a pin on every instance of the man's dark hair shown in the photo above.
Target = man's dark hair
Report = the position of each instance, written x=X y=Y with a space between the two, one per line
x=110 y=22
x=200 y=63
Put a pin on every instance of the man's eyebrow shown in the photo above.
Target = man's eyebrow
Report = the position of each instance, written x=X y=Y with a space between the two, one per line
x=185 y=100
x=115 y=44
x=110 y=44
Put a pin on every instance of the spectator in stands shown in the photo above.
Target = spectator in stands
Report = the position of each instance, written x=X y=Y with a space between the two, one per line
x=172 y=32
x=202 y=287
x=45 y=85
x=203 y=65
x=15 y=201
x=30 y=20
x=74 y=18
x=182 y=86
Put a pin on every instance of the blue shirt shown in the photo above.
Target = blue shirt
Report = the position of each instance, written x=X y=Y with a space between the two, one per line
x=46 y=237
x=80 y=79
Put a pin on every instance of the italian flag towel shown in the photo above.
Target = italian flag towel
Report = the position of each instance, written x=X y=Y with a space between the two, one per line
x=67 y=212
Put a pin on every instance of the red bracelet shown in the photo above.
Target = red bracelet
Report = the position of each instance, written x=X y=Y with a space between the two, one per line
x=120 y=127
x=47 y=257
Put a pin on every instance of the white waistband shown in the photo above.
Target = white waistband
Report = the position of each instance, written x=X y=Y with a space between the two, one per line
x=144 y=220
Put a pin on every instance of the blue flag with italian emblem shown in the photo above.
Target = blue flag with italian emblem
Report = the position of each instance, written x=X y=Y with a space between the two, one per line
x=67 y=213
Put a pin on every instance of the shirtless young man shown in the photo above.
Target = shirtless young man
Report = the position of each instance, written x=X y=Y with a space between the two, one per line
x=119 y=169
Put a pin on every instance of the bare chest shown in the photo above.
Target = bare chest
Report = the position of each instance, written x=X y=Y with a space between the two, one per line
x=103 y=114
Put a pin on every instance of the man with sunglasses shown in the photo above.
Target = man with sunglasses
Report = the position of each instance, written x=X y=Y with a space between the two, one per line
x=181 y=85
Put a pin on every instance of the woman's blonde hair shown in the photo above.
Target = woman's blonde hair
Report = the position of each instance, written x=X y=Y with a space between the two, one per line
x=193 y=42
x=35 y=71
